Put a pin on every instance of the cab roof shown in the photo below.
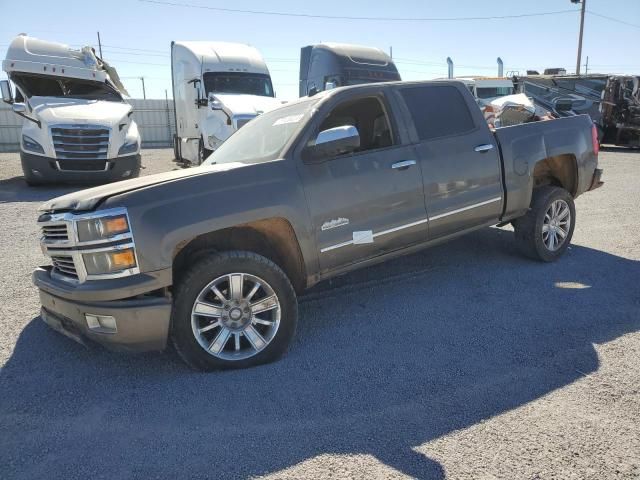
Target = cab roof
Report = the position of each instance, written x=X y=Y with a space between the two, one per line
x=223 y=56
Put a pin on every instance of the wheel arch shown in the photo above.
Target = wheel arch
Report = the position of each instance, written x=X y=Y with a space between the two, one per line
x=273 y=238
x=558 y=170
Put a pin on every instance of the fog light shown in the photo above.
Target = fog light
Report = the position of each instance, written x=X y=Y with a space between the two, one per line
x=101 y=323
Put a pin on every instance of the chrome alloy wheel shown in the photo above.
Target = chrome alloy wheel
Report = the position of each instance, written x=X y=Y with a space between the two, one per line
x=235 y=316
x=556 y=225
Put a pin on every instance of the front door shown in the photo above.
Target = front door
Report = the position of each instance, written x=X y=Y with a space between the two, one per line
x=368 y=202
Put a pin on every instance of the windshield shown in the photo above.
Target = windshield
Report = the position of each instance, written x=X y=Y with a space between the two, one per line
x=263 y=138
x=43 y=86
x=493 y=92
x=238 y=82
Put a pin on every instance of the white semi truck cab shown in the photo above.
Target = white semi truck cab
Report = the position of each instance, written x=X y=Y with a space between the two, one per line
x=217 y=88
x=77 y=126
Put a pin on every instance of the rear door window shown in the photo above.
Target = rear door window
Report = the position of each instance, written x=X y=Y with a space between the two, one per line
x=437 y=111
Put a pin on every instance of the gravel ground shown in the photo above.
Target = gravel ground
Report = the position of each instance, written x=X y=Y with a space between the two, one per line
x=463 y=361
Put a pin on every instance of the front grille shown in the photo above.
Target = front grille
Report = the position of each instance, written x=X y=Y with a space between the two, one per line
x=55 y=232
x=64 y=264
x=82 y=165
x=82 y=143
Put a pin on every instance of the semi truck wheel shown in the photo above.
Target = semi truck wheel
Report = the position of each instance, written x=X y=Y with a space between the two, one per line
x=545 y=232
x=176 y=148
x=233 y=310
x=203 y=153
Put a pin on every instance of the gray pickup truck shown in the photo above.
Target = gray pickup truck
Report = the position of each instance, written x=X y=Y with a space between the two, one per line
x=213 y=257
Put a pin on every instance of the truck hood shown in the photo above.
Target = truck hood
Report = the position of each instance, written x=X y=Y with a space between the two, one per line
x=88 y=199
x=238 y=104
x=54 y=110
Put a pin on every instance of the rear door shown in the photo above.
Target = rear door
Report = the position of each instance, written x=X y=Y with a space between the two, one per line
x=458 y=155
x=371 y=201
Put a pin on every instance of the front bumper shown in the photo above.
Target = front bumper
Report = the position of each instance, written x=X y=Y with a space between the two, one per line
x=47 y=169
x=141 y=321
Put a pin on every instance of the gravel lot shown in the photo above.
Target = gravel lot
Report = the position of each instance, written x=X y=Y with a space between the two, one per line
x=463 y=361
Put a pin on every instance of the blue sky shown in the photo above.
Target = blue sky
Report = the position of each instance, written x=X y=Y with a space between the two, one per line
x=136 y=35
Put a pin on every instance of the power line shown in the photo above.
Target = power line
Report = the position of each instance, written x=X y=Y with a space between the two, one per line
x=613 y=19
x=137 y=54
x=134 y=49
x=335 y=17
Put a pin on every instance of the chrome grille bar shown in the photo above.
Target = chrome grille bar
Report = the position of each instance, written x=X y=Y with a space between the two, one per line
x=81 y=142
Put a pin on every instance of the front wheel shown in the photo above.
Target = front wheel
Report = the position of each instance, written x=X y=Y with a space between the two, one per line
x=233 y=310
x=545 y=232
x=203 y=152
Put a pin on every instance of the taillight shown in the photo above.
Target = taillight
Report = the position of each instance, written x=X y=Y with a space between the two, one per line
x=594 y=139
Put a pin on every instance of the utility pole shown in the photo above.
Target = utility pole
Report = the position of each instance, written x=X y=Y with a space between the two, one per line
x=583 y=2
x=586 y=66
x=144 y=93
x=391 y=52
x=99 y=45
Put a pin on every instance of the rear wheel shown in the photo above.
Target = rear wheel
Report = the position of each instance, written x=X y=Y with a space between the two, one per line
x=545 y=232
x=233 y=310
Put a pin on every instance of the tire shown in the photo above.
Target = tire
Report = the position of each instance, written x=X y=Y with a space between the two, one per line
x=226 y=340
x=529 y=229
x=203 y=153
x=176 y=149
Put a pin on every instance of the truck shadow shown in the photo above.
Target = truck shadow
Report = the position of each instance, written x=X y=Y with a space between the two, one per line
x=15 y=190
x=385 y=360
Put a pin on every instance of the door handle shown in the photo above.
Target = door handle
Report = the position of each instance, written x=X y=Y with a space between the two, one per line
x=403 y=165
x=483 y=148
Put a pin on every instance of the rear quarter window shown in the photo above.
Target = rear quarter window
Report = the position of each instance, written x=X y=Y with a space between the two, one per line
x=437 y=111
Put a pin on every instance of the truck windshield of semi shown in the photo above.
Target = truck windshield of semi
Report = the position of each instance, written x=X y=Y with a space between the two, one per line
x=328 y=65
x=217 y=88
x=77 y=126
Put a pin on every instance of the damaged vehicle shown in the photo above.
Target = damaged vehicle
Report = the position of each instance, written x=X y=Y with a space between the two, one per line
x=612 y=102
x=316 y=188
x=77 y=126
x=217 y=88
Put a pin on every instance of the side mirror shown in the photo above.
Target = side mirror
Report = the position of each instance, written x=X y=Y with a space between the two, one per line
x=335 y=141
x=19 y=108
x=7 y=94
x=312 y=91
x=214 y=103
x=200 y=102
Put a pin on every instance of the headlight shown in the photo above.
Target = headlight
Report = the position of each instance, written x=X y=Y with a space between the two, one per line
x=113 y=261
x=30 y=145
x=128 y=147
x=102 y=228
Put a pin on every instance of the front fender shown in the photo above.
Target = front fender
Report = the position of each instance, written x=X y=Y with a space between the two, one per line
x=216 y=127
x=166 y=217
